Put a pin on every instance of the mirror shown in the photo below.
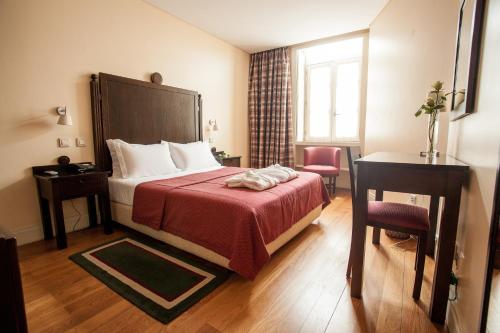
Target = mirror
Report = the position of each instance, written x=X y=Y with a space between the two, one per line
x=491 y=306
x=467 y=54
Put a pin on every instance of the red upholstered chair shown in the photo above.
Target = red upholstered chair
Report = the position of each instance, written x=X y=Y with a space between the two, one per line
x=410 y=219
x=324 y=161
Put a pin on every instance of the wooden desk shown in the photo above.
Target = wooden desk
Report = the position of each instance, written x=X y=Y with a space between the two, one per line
x=69 y=185
x=410 y=173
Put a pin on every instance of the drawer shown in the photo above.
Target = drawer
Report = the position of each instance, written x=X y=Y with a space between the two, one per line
x=231 y=162
x=80 y=186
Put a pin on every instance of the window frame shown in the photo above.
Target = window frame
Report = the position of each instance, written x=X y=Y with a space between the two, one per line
x=332 y=137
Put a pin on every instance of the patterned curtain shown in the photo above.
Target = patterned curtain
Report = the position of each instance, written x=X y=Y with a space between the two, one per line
x=270 y=109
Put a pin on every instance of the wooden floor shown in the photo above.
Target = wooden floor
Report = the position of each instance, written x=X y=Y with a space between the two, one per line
x=302 y=289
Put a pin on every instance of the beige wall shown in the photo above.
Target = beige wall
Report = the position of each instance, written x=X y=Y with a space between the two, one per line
x=475 y=140
x=48 y=50
x=412 y=44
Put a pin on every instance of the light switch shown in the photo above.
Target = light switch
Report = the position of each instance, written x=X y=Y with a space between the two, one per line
x=80 y=142
x=63 y=142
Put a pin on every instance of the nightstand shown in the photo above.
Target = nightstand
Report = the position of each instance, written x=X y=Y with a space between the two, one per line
x=68 y=184
x=232 y=161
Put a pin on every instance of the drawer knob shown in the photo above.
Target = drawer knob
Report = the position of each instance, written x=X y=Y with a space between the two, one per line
x=81 y=181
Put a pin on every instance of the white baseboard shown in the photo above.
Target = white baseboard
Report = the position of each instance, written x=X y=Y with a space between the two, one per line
x=28 y=234
x=34 y=232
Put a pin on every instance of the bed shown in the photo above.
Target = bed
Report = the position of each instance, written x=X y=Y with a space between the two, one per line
x=145 y=113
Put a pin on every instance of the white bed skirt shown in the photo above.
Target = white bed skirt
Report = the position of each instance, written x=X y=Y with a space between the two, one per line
x=122 y=214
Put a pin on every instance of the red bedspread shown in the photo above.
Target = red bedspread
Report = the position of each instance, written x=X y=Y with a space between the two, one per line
x=236 y=223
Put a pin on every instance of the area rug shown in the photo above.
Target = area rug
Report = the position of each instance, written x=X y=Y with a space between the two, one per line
x=159 y=279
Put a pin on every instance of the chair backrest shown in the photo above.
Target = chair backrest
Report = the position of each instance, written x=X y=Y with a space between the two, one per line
x=353 y=153
x=322 y=156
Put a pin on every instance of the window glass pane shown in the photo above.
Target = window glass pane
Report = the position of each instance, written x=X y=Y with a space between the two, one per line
x=347 y=101
x=319 y=102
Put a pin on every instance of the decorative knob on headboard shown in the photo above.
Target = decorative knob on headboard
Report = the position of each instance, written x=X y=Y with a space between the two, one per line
x=156 y=78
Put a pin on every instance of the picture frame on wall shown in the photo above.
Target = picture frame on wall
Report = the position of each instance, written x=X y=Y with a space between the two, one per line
x=467 y=55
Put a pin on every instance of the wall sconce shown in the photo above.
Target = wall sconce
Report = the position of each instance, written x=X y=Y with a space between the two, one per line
x=212 y=123
x=64 y=117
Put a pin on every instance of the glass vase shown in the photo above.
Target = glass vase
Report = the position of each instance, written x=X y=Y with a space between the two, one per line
x=432 y=135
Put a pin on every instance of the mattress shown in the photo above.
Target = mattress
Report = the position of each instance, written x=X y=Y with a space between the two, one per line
x=121 y=190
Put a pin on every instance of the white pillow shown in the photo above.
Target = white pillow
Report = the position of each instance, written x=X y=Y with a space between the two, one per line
x=117 y=171
x=144 y=160
x=192 y=156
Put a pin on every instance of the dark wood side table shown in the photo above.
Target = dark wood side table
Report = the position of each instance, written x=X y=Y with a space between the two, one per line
x=410 y=173
x=69 y=185
x=233 y=161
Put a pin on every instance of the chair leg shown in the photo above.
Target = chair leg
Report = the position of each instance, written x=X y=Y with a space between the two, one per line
x=349 y=262
x=334 y=184
x=416 y=256
x=376 y=236
x=419 y=274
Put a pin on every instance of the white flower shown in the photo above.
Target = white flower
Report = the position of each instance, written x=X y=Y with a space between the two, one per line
x=438 y=85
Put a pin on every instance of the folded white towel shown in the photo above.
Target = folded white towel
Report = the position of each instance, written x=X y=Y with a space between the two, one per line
x=262 y=179
x=283 y=174
x=252 y=180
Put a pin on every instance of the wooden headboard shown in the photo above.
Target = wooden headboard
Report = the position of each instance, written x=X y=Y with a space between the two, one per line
x=141 y=112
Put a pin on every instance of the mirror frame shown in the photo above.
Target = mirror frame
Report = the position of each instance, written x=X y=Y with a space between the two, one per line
x=474 y=53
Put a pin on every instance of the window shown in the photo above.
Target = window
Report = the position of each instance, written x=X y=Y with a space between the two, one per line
x=328 y=83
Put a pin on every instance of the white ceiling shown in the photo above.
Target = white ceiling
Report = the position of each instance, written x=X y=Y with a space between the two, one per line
x=259 y=25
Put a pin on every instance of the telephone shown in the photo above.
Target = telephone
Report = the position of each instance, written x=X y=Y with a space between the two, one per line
x=81 y=167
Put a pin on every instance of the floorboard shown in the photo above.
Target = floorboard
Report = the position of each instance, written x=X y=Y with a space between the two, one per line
x=301 y=289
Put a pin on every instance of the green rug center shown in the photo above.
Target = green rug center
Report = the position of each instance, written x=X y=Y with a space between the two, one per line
x=160 y=275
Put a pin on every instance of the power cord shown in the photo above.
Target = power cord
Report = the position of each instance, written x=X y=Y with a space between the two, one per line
x=79 y=215
x=453 y=277
x=394 y=245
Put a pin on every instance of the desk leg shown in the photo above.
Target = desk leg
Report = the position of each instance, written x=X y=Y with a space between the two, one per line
x=105 y=211
x=60 y=228
x=46 y=220
x=379 y=196
x=92 y=211
x=445 y=252
x=359 y=237
x=45 y=212
x=433 y=216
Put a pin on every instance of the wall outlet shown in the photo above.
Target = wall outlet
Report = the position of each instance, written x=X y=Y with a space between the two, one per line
x=63 y=142
x=80 y=142
x=413 y=199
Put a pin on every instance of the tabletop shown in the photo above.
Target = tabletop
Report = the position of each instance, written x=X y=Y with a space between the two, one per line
x=413 y=160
